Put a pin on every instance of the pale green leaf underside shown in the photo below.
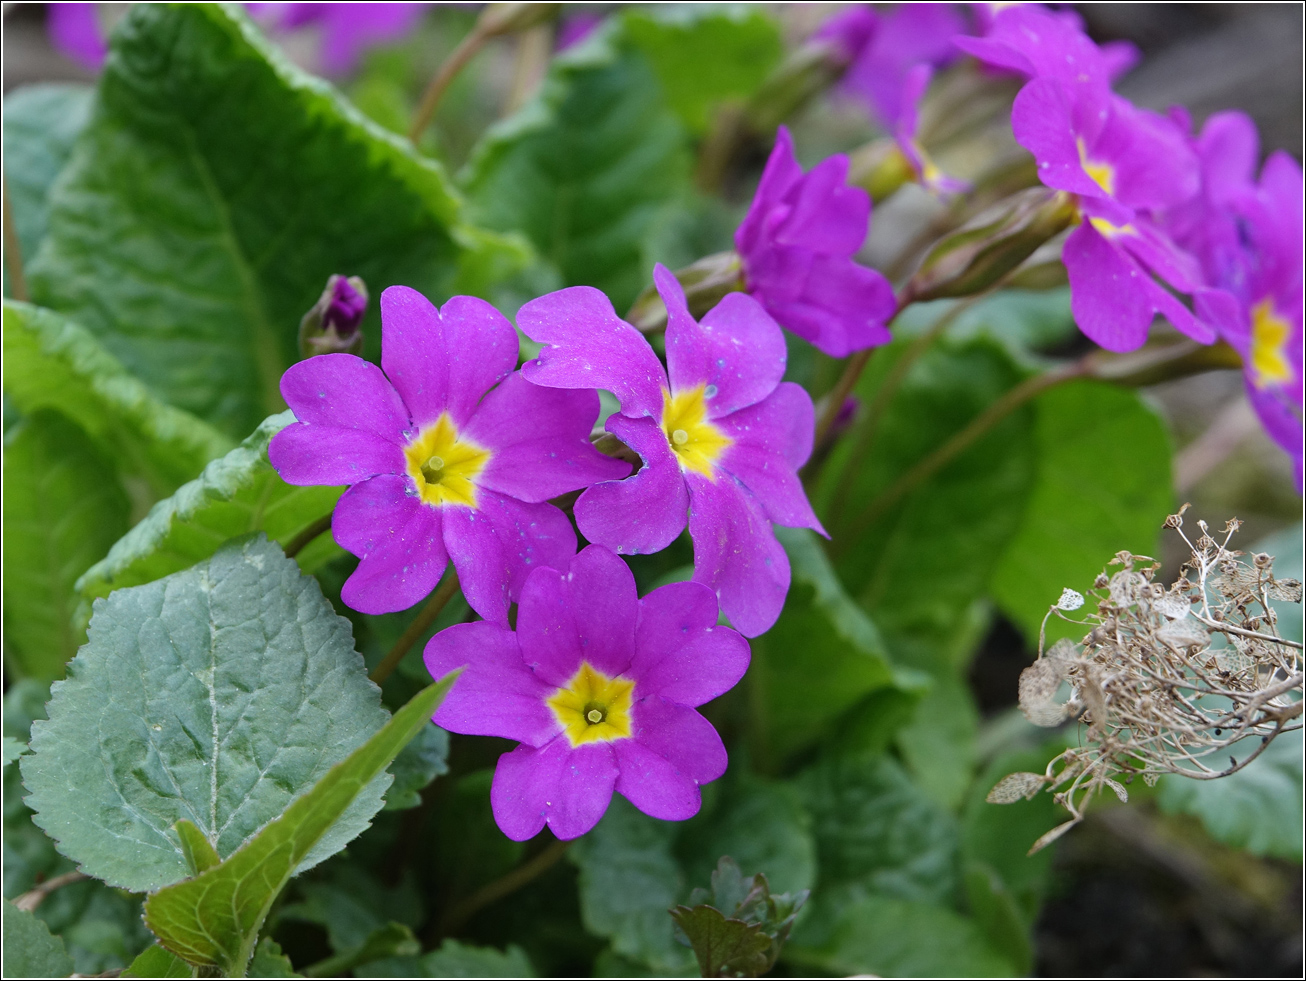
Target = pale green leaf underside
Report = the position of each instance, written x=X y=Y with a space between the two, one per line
x=218 y=695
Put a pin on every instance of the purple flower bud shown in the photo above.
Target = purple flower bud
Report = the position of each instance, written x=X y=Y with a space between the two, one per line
x=346 y=304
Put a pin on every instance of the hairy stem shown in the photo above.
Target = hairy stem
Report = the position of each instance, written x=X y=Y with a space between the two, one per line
x=34 y=897
x=433 y=608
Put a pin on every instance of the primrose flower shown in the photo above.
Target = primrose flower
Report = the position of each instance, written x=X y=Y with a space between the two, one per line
x=720 y=434
x=75 y=31
x=927 y=172
x=797 y=243
x=600 y=687
x=1029 y=39
x=348 y=29
x=450 y=455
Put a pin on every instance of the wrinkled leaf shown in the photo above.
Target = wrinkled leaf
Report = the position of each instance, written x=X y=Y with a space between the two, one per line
x=214 y=190
x=236 y=494
x=52 y=362
x=158 y=962
x=218 y=695
x=214 y=918
x=459 y=960
x=723 y=947
x=420 y=762
x=30 y=951
x=269 y=962
x=63 y=508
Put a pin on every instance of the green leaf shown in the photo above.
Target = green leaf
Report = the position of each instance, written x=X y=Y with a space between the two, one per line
x=895 y=938
x=13 y=749
x=704 y=54
x=63 y=508
x=998 y=915
x=236 y=494
x=158 y=962
x=421 y=761
x=351 y=903
x=584 y=169
x=459 y=960
x=1102 y=484
x=41 y=122
x=214 y=918
x=724 y=947
x=101 y=926
x=269 y=962
x=218 y=694
x=629 y=878
x=822 y=659
x=51 y=362
x=389 y=940
x=30 y=951
x=200 y=855
x=214 y=190
x=938 y=745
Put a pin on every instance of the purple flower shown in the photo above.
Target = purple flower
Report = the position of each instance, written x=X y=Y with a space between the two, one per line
x=450 y=455
x=345 y=305
x=904 y=131
x=576 y=28
x=797 y=243
x=1030 y=40
x=348 y=29
x=74 y=31
x=599 y=686
x=721 y=436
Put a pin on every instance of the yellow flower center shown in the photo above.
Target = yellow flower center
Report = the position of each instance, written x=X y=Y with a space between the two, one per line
x=592 y=707
x=1103 y=175
x=444 y=465
x=1269 y=338
x=696 y=442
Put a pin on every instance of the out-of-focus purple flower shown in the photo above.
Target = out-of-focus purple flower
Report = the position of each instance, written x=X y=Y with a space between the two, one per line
x=1248 y=236
x=75 y=31
x=904 y=131
x=450 y=454
x=797 y=243
x=348 y=29
x=1031 y=40
x=599 y=686
x=720 y=434
x=576 y=28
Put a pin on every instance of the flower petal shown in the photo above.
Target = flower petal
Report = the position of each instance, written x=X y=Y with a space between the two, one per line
x=581 y=611
x=680 y=652
x=736 y=552
x=345 y=391
x=496 y=694
x=644 y=513
x=567 y=789
x=680 y=736
x=588 y=346
x=496 y=545
x=540 y=441
x=737 y=352
x=782 y=172
x=385 y=524
x=654 y=784
x=1041 y=120
x=306 y=455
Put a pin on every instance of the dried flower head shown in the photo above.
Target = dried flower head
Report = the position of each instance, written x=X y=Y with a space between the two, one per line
x=1166 y=680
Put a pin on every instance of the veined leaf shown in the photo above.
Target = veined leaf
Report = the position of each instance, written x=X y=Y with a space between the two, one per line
x=63 y=507
x=236 y=494
x=30 y=950
x=214 y=190
x=51 y=362
x=214 y=918
x=218 y=695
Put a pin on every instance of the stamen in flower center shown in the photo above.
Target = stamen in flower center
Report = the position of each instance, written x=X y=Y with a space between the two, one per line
x=698 y=444
x=595 y=716
x=444 y=464
x=591 y=707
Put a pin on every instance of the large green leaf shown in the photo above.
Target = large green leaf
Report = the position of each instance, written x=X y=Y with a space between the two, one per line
x=455 y=960
x=216 y=695
x=51 y=362
x=1102 y=484
x=215 y=189
x=236 y=494
x=41 y=122
x=421 y=761
x=30 y=951
x=63 y=508
x=585 y=168
x=214 y=918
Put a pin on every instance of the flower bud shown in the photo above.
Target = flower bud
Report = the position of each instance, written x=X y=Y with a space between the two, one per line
x=980 y=253
x=705 y=282
x=880 y=168
x=331 y=324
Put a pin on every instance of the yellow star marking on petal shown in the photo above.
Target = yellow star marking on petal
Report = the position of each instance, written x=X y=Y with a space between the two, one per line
x=445 y=465
x=1103 y=175
x=1270 y=334
x=1108 y=230
x=697 y=443
x=592 y=707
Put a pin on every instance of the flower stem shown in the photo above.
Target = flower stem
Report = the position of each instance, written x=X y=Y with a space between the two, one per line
x=13 y=251
x=467 y=49
x=34 y=897
x=300 y=541
x=433 y=608
x=463 y=910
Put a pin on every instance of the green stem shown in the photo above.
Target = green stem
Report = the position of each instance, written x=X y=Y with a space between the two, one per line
x=467 y=49
x=433 y=608
x=300 y=541
x=465 y=909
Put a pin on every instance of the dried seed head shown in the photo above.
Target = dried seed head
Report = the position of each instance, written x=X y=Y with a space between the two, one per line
x=1016 y=786
x=1070 y=600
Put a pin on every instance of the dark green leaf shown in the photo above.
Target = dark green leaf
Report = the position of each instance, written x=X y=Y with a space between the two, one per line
x=214 y=918
x=1102 y=484
x=459 y=960
x=236 y=494
x=421 y=761
x=51 y=362
x=30 y=951
x=938 y=745
x=389 y=940
x=218 y=694
x=347 y=899
x=269 y=962
x=158 y=962
x=63 y=508
x=13 y=749
x=101 y=926
x=215 y=189
x=724 y=947
x=998 y=915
